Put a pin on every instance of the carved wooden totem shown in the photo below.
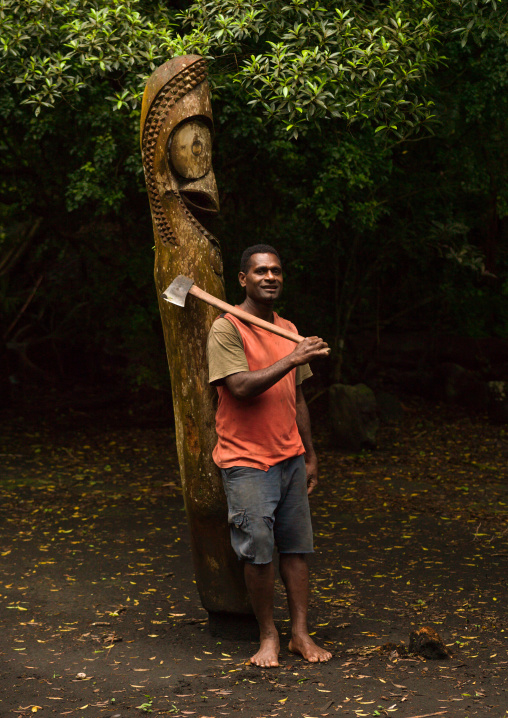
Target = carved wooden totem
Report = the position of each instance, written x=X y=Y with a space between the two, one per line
x=176 y=145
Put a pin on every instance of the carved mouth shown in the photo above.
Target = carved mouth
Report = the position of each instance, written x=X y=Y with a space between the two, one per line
x=199 y=202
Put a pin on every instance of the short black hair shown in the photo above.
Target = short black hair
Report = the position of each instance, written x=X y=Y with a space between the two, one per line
x=255 y=249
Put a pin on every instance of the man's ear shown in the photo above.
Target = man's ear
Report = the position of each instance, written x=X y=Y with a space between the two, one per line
x=241 y=278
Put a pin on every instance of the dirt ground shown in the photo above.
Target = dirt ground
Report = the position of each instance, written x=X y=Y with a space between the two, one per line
x=100 y=616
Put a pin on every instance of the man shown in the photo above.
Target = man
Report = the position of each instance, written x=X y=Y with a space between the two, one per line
x=265 y=451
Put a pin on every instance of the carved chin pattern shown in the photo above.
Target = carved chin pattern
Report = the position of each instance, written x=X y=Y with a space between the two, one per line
x=177 y=153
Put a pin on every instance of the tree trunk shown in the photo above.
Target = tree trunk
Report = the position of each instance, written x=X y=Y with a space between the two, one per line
x=176 y=132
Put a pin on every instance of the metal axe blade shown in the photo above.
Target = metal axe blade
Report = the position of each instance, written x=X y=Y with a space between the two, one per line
x=177 y=291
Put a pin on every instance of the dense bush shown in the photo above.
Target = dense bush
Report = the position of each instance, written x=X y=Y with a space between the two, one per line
x=389 y=208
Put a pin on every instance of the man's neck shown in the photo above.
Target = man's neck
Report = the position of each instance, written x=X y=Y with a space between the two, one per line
x=263 y=311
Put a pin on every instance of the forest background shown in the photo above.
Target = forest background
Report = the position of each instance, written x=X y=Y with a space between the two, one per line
x=366 y=141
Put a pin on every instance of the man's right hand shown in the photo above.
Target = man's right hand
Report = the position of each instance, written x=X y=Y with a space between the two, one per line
x=247 y=384
x=311 y=348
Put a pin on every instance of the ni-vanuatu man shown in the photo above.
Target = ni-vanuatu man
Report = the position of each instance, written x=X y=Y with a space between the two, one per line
x=265 y=451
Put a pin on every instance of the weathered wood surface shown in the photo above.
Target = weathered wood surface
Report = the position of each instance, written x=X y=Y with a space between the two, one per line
x=176 y=136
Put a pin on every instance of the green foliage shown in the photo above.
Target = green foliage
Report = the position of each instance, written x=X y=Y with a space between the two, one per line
x=56 y=50
x=380 y=231
x=351 y=172
x=89 y=183
x=146 y=707
x=303 y=62
x=385 y=235
x=299 y=61
x=324 y=60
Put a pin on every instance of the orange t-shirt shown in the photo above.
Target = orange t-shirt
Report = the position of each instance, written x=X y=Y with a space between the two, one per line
x=261 y=431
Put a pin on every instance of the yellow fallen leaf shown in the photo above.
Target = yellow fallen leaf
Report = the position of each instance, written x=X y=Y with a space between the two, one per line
x=283 y=700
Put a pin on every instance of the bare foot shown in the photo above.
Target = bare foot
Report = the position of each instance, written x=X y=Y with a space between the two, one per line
x=268 y=654
x=305 y=646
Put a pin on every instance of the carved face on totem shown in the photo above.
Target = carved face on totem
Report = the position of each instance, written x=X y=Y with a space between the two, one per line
x=176 y=144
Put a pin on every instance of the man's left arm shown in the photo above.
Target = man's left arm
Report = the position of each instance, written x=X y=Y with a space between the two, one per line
x=303 y=424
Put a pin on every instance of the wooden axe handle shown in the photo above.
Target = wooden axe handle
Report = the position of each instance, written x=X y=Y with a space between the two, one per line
x=244 y=316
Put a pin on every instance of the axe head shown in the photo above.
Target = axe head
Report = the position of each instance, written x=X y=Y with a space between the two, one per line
x=177 y=291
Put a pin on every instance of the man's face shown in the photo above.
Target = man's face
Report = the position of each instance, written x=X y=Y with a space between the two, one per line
x=263 y=280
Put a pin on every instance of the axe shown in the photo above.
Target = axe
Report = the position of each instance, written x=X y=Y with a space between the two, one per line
x=180 y=287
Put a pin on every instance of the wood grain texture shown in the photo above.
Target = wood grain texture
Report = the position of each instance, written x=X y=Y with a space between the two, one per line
x=177 y=93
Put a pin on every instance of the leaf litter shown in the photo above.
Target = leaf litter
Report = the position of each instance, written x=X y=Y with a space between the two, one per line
x=94 y=535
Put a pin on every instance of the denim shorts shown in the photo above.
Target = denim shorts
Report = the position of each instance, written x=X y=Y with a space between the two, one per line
x=267 y=507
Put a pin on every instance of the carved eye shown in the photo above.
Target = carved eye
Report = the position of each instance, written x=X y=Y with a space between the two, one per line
x=191 y=150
